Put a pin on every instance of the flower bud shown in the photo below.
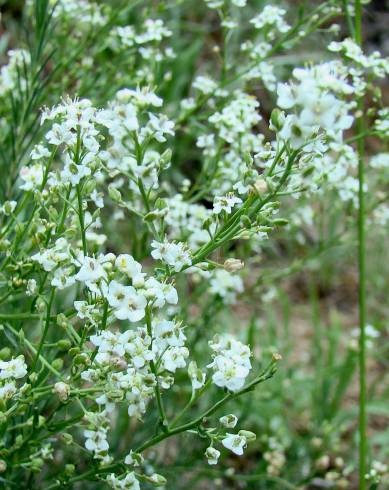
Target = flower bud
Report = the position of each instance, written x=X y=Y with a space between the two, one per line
x=166 y=159
x=280 y=222
x=260 y=186
x=62 y=390
x=64 y=344
x=134 y=459
x=69 y=469
x=114 y=193
x=229 y=421
x=277 y=120
x=5 y=353
x=157 y=480
x=67 y=438
x=233 y=265
x=36 y=465
x=248 y=435
x=57 y=364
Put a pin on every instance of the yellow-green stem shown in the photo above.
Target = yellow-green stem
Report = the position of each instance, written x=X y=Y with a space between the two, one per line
x=362 y=269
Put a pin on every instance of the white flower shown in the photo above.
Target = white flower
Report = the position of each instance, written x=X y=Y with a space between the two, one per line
x=63 y=278
x=225 y=203
x=226 y=285
x=7 y=391
x=92 y=272
x=271 y=15
x=229 y=374
x=174 y=358
x=16 y=368
x=204 y=85
x=158 y=126
x=129 y=266
x=32 y=287
x=129 y=482
x=128 y=304
x=133 y=459
x=32 y=177
x=39 y=151
x=229 y=421
x=235 y=443
x=96 y=440
x=212 y=455
x=161 y=293
x=173 y=254
x=231 y=363
x=49 y=259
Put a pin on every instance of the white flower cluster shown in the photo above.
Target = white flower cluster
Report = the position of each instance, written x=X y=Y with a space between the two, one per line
x=173 y=254
x=225 y=285
x=10 y=371
x=233 y=139
x=272 y=19
x=217 y=4
x=83 y=14
x=231 y=362
x=317 y=104
x=185 y=221
x=12 y=73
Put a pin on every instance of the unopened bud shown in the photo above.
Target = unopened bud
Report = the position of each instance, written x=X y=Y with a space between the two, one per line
x=69 y=469
x=248 y=435
x=260 y=186
x=323 y=463
x=233 y=265
x=166 y=159
x=57 y=364
x=277 y=120
x=64 y=344
x=114 y=193
x=229 y=421
x=5 y=353
x=157 y=480
x=62 y=390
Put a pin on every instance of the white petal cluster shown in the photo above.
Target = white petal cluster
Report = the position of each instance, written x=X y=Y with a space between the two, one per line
x=226 y=285
x=271 y=18
x=11 y=74
x=10 y=371
x=129 y=482
x=173 y=254
x=231 y=363
x=316 y=107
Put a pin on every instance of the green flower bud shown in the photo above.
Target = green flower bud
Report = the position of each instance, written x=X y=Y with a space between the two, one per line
x=248 y=435
x=280 y=222
x=69 y=469
x=36 y=465
x=64 y=344
x=114 y=194
x=157 y=480
x=5 y=353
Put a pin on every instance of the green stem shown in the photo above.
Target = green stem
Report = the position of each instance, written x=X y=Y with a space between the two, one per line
x=157 y=389
x=81 y=219
x=45 y=330
x=362 y=269
x=266 y=374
